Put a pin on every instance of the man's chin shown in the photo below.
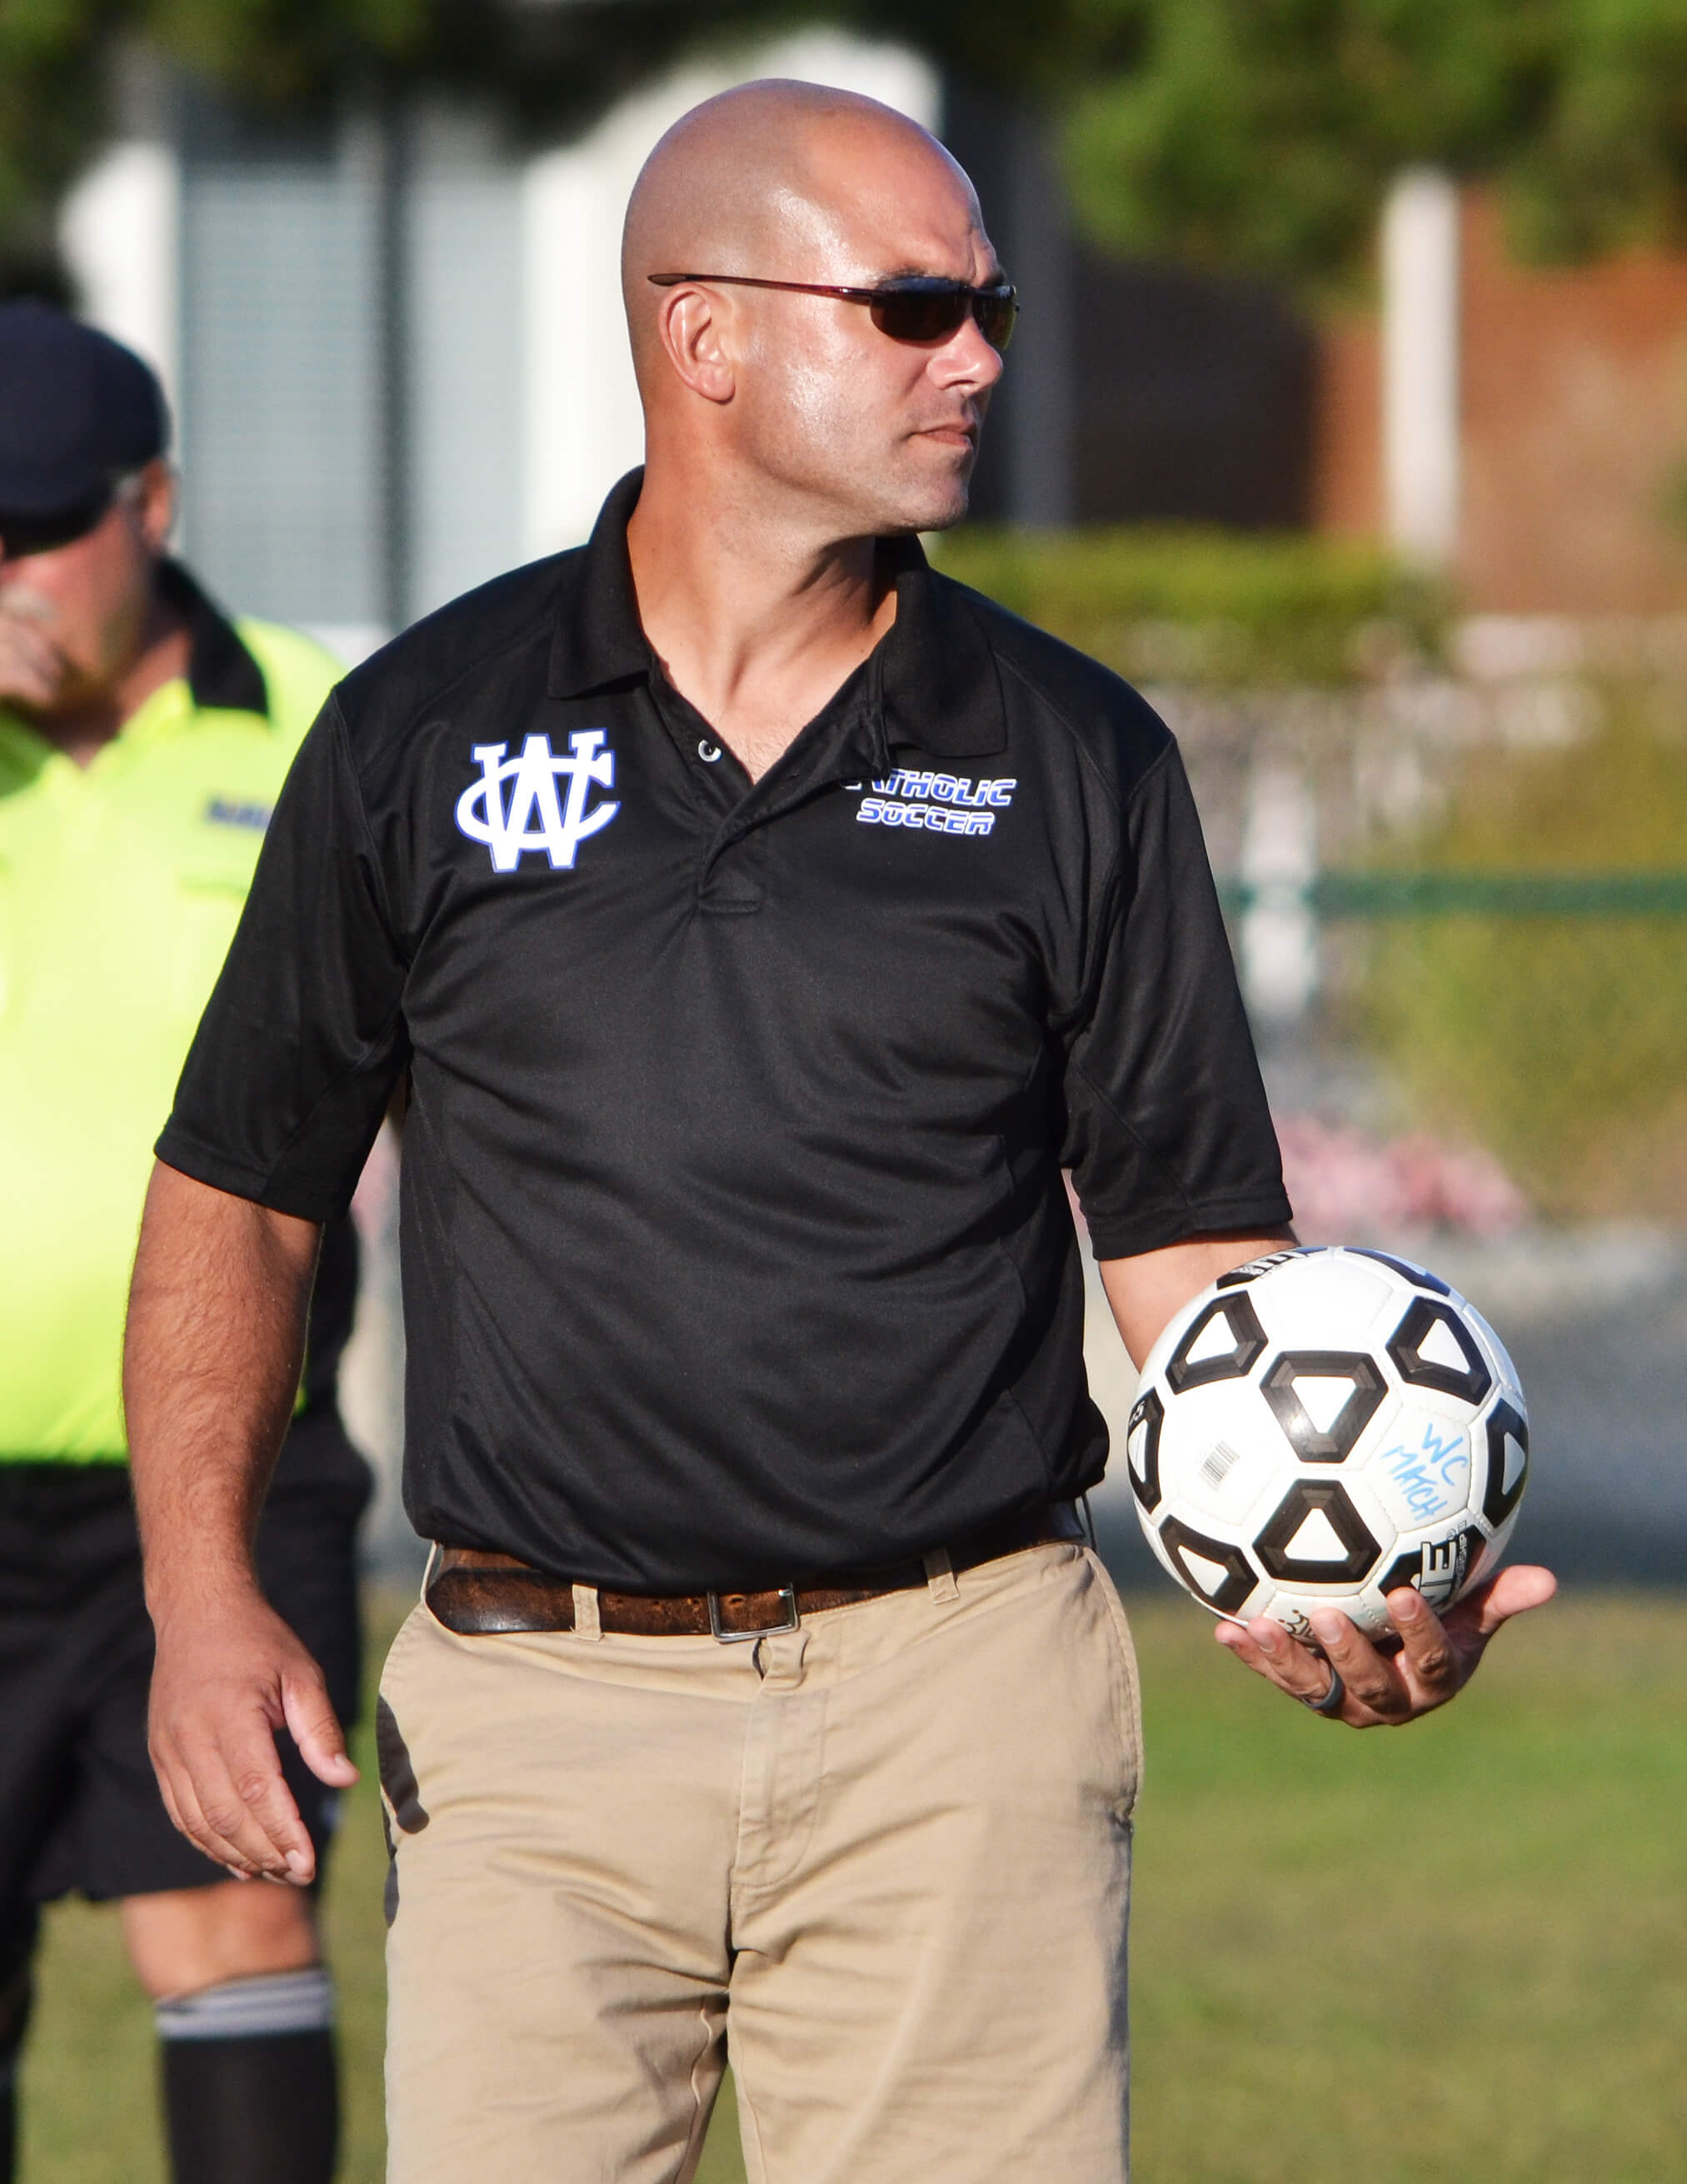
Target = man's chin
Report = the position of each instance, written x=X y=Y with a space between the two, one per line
x=945 y=516
x=903 y=498
x=934 y=504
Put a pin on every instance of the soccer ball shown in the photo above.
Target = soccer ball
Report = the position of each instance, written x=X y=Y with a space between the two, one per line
x=1321 y=1426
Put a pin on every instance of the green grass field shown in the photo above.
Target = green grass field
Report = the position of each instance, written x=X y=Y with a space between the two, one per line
x=1461 y=1951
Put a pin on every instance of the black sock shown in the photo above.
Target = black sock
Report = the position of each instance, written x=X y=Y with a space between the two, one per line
x=9 y=2117
x=251 y=2087
x=16 y=1992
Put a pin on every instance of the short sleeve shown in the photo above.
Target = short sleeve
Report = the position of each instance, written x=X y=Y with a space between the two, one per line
x=304 y=1038
x=1168 y=1134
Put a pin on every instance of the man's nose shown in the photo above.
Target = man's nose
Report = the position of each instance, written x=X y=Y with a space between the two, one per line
x=969 y=356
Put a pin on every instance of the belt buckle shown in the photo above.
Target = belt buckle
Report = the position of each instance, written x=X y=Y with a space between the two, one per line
x=787 y=1594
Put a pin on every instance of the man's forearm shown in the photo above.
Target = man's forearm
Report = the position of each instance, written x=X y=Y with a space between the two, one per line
x=212 y=1355
x=216 y=1332
x=1145 y=1292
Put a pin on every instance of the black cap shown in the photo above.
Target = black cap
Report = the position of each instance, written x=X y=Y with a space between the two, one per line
x=76 y=410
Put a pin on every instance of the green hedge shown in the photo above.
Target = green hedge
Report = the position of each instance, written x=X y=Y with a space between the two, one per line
x=1219 y=608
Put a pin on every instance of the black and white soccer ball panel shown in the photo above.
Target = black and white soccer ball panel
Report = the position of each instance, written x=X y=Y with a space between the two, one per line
x=1321 y=1426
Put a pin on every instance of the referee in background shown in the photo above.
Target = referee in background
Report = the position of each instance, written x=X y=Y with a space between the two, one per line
x=144 y=738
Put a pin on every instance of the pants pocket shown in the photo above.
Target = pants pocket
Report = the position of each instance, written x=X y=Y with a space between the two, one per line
x=1126 y=1686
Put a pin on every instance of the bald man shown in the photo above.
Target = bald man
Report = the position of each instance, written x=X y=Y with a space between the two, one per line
x=762 y=924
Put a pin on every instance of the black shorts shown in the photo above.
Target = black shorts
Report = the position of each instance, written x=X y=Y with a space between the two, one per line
x=80 y=1808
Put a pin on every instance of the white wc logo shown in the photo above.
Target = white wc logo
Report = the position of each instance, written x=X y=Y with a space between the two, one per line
x=532 y=817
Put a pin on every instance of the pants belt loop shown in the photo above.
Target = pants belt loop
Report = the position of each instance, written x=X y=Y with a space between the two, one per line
x=586 y=1624
x=940 y=1576
x=778 y=1655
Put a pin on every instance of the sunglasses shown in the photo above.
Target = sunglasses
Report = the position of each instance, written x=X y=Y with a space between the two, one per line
x=925 y=308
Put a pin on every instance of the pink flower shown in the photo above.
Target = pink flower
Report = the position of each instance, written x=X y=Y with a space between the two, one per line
x=1345 y=1185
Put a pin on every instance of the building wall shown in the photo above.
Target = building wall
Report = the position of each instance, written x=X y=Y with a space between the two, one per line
x=1194 y=399
x=1135 y=392
x=1572 y=418
x=1347 y=441
x=1574 y=426
x=281 y=381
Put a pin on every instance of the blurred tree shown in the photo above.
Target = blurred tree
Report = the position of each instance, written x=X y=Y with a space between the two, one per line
x=1260 y=135
x=52 y=107
x=554 y=64
x=1256 y=135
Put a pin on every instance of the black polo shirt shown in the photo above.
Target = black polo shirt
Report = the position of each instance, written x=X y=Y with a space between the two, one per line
x=736 y=1247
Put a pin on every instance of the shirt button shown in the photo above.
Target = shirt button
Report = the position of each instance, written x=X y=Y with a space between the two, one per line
x=708 y=752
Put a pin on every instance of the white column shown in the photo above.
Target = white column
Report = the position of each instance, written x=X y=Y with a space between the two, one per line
x=1279 y=863
x=1042 y=390
x=119 y=230
x=1420 y=365
x=583 y=426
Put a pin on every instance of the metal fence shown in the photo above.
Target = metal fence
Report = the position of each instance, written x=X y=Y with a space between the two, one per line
x=1481 y=1067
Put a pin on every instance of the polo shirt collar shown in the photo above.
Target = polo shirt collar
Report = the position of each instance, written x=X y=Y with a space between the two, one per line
x=599 y=638
x=222 y=675
x=942 y=691
x=936 y=684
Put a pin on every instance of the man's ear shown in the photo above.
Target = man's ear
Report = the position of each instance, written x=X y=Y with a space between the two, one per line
x=694 y=328
x=155 y=504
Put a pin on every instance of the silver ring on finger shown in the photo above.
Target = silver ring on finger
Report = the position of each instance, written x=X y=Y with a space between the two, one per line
x=1331 y=1704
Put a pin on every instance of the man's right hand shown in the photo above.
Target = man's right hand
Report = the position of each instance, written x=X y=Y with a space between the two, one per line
x=224 y=1681
x=32 y=669
x=212 y=1357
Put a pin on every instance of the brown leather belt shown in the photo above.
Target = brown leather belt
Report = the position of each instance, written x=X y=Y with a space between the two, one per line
x=478 y=1594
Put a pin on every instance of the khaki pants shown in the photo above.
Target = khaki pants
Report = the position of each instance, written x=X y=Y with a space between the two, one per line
x=888 y=1853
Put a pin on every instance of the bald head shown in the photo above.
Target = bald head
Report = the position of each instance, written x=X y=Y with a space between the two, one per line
x=778 y=178
x=804 y=405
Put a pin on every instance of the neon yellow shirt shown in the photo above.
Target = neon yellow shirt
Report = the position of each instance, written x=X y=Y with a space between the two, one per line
x=120 y=887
